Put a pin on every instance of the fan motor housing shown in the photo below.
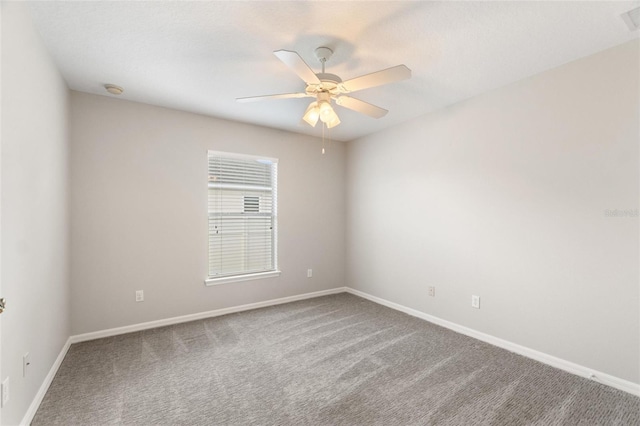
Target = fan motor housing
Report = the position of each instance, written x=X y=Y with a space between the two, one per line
x=328 y=83
x=328 y=77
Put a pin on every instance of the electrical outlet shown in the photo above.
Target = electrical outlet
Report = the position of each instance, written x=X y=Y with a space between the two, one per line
x=5 y=392
x=432 y=291
x=309 y=273
x=475 y=302
x=139 y=296
x=26 y=362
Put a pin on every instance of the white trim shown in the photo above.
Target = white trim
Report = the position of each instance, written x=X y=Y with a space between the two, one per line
x=270 y=160
x=579 y=370
x=244 y=277
x=570 y=367
x=37 y=400
x=193 y=317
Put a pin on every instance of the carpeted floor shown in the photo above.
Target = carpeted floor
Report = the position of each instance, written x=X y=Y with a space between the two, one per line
x=334 y=360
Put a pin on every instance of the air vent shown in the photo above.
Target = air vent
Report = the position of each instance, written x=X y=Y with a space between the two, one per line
x=632 y=19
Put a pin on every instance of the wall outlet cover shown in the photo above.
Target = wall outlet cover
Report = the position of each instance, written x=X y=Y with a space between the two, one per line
x=5 y=391
x=475 y=302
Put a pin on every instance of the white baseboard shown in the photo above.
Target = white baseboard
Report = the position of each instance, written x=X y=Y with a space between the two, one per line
x=570 y=367
x=606 y=379
x=193 y=317
x=37 y=400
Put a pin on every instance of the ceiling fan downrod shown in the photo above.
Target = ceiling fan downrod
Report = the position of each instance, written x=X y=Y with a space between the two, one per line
x=323 y=54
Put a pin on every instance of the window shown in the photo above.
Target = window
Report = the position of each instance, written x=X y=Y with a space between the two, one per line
x=242 y=207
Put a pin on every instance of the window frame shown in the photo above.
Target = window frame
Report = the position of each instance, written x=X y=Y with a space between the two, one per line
x=211 y=281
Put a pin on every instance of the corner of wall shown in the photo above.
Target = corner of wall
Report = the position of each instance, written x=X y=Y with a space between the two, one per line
x=35 y=210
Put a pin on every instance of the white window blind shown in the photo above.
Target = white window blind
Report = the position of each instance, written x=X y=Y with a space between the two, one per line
x=242 y=205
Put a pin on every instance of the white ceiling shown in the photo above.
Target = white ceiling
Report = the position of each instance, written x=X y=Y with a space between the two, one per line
x=200 y=56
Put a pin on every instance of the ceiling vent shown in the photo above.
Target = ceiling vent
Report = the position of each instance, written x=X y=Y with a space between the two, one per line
x=632 y=19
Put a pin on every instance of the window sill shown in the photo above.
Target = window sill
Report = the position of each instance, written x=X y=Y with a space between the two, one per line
x=236 y=278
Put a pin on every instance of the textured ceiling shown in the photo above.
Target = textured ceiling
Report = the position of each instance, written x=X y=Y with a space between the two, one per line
x=200 y=56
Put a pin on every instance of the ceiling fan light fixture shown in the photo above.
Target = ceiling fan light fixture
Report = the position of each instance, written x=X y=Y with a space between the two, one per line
x=326 y=112
x=312 y=114
x=333 y=122
x=325 y=86
x=321 y=110
x=329 y=117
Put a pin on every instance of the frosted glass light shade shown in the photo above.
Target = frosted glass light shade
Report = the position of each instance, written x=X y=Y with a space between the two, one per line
x=321 y=110
x=333 y=122
x=312 y=114
x=325 y=111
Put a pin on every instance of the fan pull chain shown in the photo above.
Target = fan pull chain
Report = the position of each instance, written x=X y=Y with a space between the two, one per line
x=323 y=126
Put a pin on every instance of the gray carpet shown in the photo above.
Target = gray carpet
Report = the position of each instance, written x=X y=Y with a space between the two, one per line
x=334 y=360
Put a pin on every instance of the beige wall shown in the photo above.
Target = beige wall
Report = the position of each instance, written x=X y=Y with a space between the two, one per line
x=504 y=196
x=138 y=209
x=34 y=213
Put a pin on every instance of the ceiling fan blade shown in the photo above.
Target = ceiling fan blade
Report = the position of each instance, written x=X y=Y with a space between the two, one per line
x=298 y=65
x=361 y=106
x=390 y=75
x=281 y=96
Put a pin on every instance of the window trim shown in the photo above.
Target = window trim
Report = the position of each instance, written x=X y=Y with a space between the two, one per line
x=212 y=281
x=244 y=277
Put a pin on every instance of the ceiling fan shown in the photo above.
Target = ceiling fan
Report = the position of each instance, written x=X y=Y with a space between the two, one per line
x=325 y=87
